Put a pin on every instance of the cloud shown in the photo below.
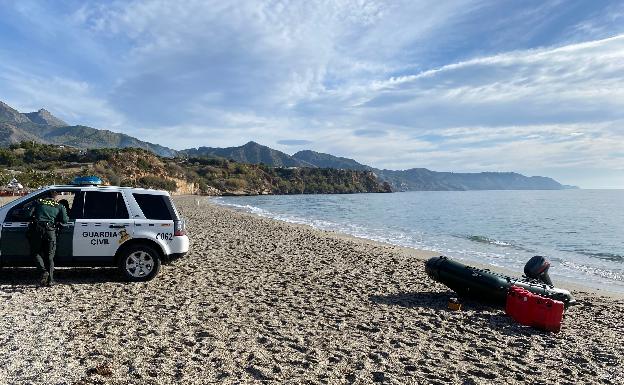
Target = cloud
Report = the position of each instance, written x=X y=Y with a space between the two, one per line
x=294 y=142
x=459 y=85
x=71 y=100
x=251 y=56
x=607 y=21
x=571 y=83
x=563 y=105
x=371 y=133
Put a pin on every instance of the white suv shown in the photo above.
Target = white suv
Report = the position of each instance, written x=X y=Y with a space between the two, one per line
x=133 y=229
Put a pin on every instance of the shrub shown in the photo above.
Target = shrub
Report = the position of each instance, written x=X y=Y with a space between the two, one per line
x=143 y=164
x=155 y=182
x=236 y=183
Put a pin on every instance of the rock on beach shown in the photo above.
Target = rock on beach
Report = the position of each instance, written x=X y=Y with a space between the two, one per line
x=262 y=301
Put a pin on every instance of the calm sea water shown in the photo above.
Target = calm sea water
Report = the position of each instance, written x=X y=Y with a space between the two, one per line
x=581 y=231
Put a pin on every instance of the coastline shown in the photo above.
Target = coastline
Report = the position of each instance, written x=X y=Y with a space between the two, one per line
x=262 y=301
x=423 y=254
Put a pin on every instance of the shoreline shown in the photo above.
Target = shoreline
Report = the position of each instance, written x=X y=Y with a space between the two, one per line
x=262 y=301
x=423 y=254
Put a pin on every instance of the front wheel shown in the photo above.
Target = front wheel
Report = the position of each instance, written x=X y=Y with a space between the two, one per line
x=139 y=263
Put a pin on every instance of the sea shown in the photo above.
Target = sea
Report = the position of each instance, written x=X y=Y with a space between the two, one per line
x=580 y=231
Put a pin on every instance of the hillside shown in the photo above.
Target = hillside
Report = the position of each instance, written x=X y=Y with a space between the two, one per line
x=250 y=152
x=36 y=165
x=423 y=179
x=88 y=138
x=415 y=179
x=43 y=127
x=44 y=117
x=328 y=161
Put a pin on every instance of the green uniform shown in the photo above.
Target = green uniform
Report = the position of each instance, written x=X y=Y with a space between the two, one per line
x=45 y=215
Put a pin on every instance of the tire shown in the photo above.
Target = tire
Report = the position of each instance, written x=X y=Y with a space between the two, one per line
x=139 y=263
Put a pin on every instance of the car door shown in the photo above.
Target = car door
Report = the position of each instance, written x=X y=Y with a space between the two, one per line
x=13 y=241
x=102 y=225
x=14 y=244
x=65 y=234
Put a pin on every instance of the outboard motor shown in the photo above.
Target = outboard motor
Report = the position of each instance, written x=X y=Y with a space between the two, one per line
x=537 y=268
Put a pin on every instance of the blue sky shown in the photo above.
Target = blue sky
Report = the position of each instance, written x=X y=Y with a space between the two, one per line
x=535 y=87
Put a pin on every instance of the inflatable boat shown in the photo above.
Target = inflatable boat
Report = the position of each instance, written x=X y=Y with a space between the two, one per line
x=484 y=285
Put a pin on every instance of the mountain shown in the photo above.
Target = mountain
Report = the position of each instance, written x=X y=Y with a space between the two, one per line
x=415 y=179
x=321 y=160
x=41 y=126
x=87 y=137
x=44 y=116
x=250 y=152
x=9 y=134
x=10 y=115
x=423 y=179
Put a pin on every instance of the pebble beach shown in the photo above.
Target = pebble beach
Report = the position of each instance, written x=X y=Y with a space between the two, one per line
x=262 y=301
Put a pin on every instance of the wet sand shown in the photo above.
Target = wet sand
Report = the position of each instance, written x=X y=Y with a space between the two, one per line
x=258 y=300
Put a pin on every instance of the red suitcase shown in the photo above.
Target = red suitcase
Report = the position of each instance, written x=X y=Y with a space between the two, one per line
x=520 y=305
x=548 y=314
x=533 y=310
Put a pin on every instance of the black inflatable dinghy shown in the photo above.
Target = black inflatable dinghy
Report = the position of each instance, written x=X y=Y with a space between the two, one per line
x=484 y=285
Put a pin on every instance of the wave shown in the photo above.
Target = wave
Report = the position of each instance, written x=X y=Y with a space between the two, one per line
x=609 y=274
x=390 y=237
x=489 y=241
x=247 y=208
x=613 y=257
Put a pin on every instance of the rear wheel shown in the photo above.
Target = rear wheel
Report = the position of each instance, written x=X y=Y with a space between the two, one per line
x=139 y=263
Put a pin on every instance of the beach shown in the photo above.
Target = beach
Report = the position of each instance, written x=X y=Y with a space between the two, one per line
x=262 y=301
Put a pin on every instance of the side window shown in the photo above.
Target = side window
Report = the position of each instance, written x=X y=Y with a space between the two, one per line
x=78 y=206
x=155 y=206
x=20 y=212
x=104 y=205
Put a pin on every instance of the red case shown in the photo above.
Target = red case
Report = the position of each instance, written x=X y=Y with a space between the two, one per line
x=520 y=305
x=548 y=314
x=534 y=310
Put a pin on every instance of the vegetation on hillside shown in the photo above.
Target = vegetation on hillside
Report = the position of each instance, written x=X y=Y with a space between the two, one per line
x=251 y=152
x=35 y=164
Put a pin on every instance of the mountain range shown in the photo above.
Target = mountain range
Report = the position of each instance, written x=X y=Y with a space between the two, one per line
x=400 y=180
x=42 y=126
x=253 y=153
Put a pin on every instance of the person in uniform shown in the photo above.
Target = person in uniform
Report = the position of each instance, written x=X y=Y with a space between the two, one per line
x=46 y=214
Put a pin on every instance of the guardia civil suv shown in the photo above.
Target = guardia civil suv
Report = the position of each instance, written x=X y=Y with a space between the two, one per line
x=133 y=229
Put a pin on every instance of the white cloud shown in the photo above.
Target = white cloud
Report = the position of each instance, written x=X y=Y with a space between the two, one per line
x=386 y=83
x=71 y=100
x=526 y=110
x=579 y=71
x=255 y=55
x=609 y=21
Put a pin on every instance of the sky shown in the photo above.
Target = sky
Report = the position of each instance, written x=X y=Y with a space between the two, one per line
x=535 y=87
